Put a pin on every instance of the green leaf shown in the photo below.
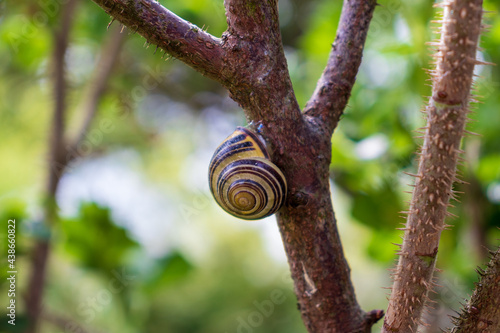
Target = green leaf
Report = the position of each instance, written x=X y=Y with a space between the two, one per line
x=378 y=208
x=95 y=240
x=169 y=271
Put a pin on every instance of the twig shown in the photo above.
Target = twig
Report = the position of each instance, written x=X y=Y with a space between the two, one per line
x=96 y=86
x=161 y=27
x=58 y=158
x=41 y=248
x=334 y=87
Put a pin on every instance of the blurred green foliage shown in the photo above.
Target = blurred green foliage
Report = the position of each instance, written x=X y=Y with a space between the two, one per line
x=150 y=251
x=94 y=240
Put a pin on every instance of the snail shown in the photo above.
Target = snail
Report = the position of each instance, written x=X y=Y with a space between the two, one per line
x=243 y=180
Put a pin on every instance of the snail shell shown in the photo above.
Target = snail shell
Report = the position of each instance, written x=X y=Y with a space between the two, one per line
x=243 y=180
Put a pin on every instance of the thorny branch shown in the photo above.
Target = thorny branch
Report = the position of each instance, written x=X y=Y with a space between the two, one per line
x=446 y=118
x=482 y=311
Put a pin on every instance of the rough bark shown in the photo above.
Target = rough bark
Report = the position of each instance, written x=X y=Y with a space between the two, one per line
x=321 y=274
x=481 y=314
x=446 y=117
x=334 y=87
x=249 y=61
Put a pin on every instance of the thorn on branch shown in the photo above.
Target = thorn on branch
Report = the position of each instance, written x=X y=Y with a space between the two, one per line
x=109 y=24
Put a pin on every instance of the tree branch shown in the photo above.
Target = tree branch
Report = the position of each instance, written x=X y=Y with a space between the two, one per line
x=318 y=266
x=248 y=19
x=476 y=210
x=41 y=248
x=447 y=113
x=247 y=58
x=161 y=27
x=97 y=85
x=307 y=223
x=58 y=159
x=64 y=323
x=57 y=143
x=334 y=87
x=482 y=311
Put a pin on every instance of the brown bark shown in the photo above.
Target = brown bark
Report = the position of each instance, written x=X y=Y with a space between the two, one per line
x=481 y=314
x=301 y=148
x=334 y=87
x=446 y=118
x=249 y=61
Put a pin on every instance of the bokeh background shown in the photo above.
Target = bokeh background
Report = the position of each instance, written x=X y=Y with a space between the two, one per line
x=140 y=246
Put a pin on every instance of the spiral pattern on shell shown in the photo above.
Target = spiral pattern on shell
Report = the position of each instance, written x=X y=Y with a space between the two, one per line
x=243 y=180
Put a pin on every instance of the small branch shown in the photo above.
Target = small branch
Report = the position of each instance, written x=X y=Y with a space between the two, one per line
x=65 y=324
x=161 y=27
x=372 y=317
x=334 y=87
x=320 y=271
x=57 y=143
x=97 y=85
x=482 y=311
x=41 y=249
x=40 y=254
x=447 y=113
x=476 y=207
x=476 y=203
x=58 y=160
x=253 y=68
